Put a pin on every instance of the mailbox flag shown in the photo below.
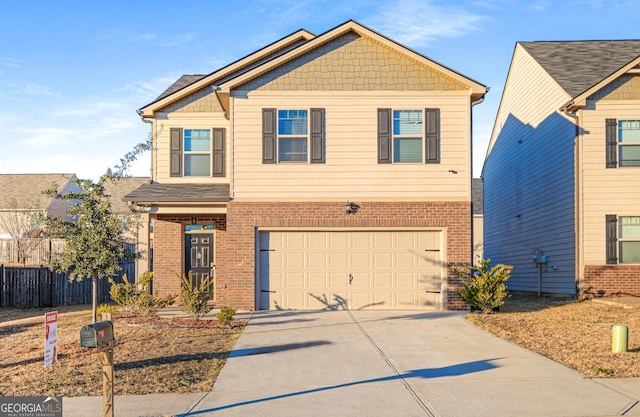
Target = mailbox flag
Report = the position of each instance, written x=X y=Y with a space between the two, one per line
x=50 y=338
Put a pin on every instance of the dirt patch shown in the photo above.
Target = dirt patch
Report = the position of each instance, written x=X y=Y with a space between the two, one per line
x=575 y=333
x=153 y=355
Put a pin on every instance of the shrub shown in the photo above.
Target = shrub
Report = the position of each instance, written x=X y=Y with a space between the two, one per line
x=132 y=296
x=106 y=308
x=484 y=287
x=125 y=294
x=225 y=316
x=194 y=299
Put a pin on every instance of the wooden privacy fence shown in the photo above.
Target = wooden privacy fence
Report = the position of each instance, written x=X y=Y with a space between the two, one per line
x=34 y=287
x=38 y=251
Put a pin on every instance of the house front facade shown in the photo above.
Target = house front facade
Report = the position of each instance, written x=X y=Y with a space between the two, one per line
x=562 y=170
x=320 y=172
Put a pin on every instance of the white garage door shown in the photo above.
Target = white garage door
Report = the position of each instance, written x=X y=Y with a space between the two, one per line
x=350 y=269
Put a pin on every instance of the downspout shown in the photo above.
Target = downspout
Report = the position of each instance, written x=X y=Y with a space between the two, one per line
x=577 y=196
x=146 y=119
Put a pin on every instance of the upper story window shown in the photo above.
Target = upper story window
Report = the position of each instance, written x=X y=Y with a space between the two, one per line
x=408 y=130
x=622 y=143
x=623 y=239
x=408 y=136
x=293 y=135
x=197 y=152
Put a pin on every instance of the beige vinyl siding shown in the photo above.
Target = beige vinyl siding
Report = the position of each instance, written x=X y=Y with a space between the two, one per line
x=529 y=181
x=163 y=127
x=351 y=170
x=605 y=190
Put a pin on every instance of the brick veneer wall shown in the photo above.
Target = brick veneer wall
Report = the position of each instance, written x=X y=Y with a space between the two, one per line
x=600 y=280
x=168 y=251
x=237 y=270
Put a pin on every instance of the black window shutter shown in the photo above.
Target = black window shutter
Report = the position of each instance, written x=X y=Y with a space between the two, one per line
x=432 y=136
x=269 y=136
x=612 y=143
x=384 y=136
x=612 y=239
x=318 y=136
x=175 y=153
x=218 y=152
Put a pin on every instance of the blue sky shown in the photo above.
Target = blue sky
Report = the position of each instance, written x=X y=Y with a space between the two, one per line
x=72 y=73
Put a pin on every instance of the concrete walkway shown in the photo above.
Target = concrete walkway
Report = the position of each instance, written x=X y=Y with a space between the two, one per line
x=381 y=363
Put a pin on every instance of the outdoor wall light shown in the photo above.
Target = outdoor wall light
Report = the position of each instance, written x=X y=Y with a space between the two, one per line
x=453 y=171
x=194 y=220
x=351 y=207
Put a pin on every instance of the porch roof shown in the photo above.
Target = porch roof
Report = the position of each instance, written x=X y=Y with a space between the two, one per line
x=192 y=193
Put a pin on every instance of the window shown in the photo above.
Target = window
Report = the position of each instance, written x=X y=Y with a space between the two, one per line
x=629 y=143
x=195 y=154
x=293 y=135
x=408 y=136
x=197 y=157
x=623 y=239
x=629 y=240
x=622 y=143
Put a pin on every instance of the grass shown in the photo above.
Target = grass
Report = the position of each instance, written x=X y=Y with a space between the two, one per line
x=153 y=355
x=575 y=333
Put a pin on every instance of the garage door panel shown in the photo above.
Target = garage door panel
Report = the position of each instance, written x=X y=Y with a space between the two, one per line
x=388 y=269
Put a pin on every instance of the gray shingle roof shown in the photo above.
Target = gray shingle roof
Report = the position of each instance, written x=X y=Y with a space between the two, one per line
x=579 y=65
x=179 y=193
x=116 y=190
x=181 y=83
x=26 y=189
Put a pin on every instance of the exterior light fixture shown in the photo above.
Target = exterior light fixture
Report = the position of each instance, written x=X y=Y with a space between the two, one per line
x=351 y=207
x=194 y=220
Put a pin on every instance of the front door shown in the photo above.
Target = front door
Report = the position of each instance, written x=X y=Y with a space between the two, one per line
x=199 y=259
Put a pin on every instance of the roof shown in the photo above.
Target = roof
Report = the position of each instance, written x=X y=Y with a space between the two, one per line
x=477 y=195
x=579 y=65
x=181 y=83
x=116 y=190
x=26 y=189
x=283 y=51
x=195 y=193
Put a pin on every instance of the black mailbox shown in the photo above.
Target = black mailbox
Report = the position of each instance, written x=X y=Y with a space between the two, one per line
x=96 y=335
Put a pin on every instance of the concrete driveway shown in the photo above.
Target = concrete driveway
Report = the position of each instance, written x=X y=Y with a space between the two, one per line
x=381 y=363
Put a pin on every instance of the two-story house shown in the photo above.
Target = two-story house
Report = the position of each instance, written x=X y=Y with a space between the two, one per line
x=329 y=171
x=562 y=170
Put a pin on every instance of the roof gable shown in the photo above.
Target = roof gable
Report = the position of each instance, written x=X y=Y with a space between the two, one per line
x=478 y=90
x=579 y=65
x=117 y=188
x=187 y=84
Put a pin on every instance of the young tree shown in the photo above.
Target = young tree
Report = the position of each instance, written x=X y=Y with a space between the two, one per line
x=95 y=237
x=20 y=222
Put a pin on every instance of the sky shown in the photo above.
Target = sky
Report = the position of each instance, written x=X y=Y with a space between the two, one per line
x=73 y=73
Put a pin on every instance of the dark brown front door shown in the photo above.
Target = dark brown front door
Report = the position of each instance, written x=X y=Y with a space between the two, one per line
x=199 y=259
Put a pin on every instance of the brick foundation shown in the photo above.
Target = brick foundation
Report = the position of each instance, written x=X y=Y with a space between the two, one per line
x=235 y=239
x=601 y=280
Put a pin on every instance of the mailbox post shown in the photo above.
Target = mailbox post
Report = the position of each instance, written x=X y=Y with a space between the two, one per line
x=99 y=336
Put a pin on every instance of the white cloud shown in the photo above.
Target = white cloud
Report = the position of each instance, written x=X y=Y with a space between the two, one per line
x=177 y=40
x=47 y=136
x=22 y=92
x=11 y=62
x=419 y=22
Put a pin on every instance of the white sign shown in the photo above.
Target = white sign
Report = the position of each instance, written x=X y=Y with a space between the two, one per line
x=50 y=338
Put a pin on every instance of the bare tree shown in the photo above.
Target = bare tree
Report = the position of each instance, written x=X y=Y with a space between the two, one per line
x=20 y=221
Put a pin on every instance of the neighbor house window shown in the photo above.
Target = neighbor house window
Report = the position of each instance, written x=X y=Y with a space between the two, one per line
x=408 y=136
x=629 y=143
x=293 y=135
x=623 y=239
x=197 y=153
x=622 y=143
